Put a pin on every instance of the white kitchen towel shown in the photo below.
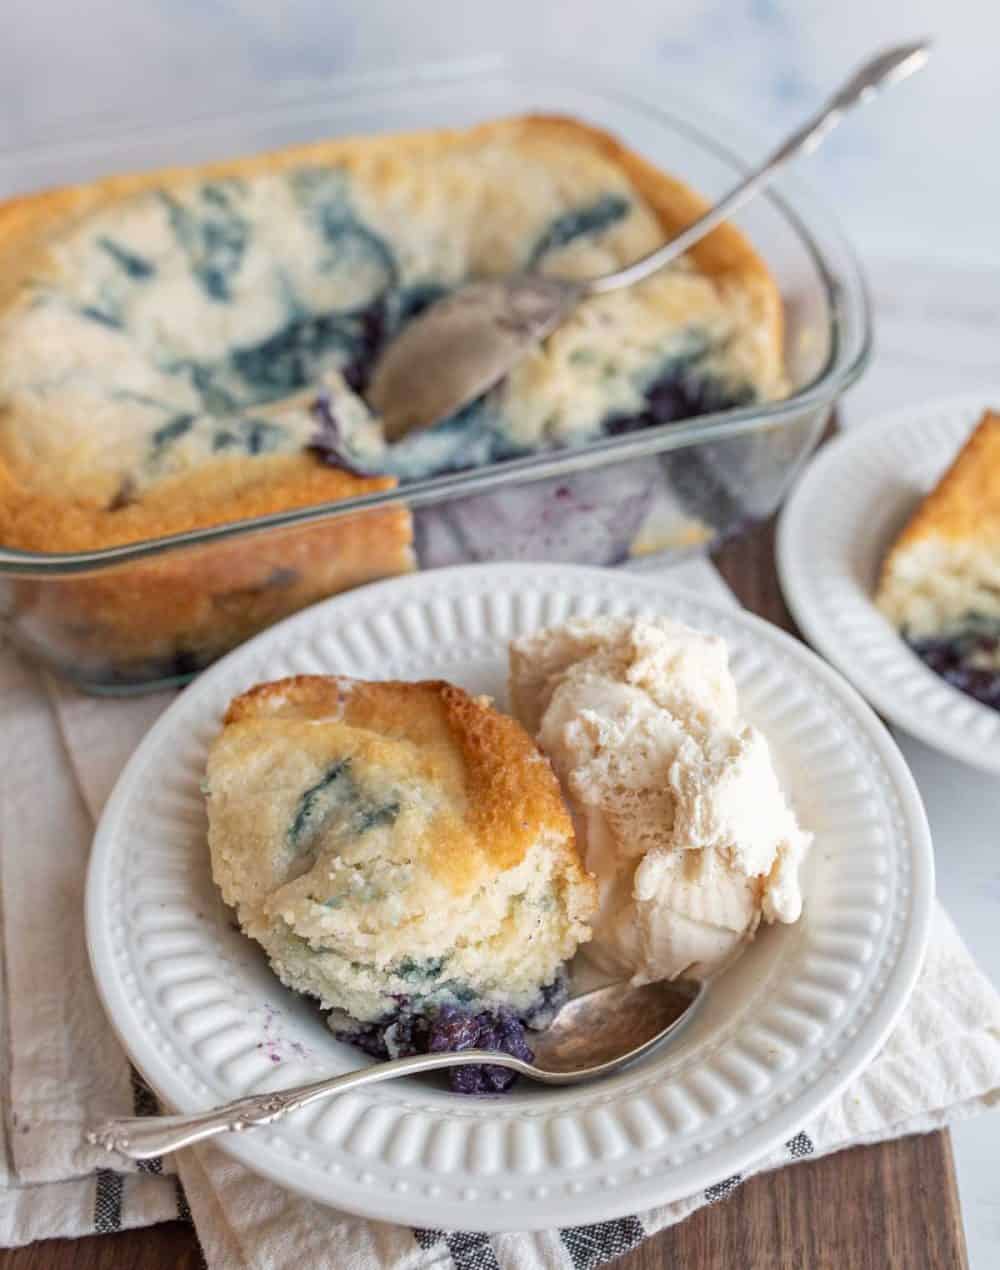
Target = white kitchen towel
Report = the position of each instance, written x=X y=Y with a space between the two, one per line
x=63 y=1069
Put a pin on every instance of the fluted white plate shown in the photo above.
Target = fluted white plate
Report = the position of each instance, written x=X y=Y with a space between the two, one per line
x=782 y=1033
x=834 y=533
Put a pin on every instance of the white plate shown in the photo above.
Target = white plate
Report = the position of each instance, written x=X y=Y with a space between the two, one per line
x=834 y=533
x=781 y=1034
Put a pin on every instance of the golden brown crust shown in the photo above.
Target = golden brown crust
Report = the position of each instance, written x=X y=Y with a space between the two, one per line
x=201 y=602
x=965 y=503
x=229 y=489
x=510 y=791
x=296 y=697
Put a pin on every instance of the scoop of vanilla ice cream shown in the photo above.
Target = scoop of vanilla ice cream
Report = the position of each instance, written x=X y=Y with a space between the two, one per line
x=676 y=801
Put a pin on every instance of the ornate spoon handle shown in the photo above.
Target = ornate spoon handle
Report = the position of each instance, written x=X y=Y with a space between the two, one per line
x=142 y=1137
x=884 y=69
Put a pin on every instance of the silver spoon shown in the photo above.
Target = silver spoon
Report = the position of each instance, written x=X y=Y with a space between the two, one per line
x=465 y=343
x=593 y=1035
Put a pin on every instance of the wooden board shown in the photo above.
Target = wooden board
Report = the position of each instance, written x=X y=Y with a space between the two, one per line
x=871 y=1208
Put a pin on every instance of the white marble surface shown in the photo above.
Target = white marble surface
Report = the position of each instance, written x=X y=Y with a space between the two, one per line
x=915 y=173
x=938 y=332
x=915 y=179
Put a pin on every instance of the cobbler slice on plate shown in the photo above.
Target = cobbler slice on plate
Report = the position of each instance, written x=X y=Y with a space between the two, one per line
x=403 y=854
x=940 y=583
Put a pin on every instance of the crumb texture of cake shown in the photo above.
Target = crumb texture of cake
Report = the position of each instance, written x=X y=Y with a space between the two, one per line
x=675 y=797
x=940 y=581
x=397 y=848
x=148 y=321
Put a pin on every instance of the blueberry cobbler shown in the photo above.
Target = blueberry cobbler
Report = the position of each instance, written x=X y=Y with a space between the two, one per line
x=403 y=854
x=149 y=322
x=940 y=583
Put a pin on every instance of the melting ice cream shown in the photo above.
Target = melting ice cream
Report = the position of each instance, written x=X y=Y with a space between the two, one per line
x=676 y=800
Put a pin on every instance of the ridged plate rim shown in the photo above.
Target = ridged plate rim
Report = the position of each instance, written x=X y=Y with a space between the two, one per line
x=833 y=533
x=607 y=1160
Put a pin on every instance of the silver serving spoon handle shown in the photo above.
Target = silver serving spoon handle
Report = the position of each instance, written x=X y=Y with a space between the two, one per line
x=878 y=73
x=465 y=343
x=593 y=1035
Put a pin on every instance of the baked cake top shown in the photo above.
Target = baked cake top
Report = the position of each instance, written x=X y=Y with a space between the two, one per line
x=147 y=320
x=497 y=794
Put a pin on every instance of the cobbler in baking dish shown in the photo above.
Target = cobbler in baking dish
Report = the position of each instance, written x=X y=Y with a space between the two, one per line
x=150 y=323
x=940 y=583
x=147 y=321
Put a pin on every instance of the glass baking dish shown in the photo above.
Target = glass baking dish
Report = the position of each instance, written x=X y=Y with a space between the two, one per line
x=149 y=614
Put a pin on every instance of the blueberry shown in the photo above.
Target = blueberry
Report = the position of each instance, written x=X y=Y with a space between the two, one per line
x=370 y=1039
x=329 y=443
x=453 y=1029
x=580 y=222
x=449 y=1029
x=370 y=337
x=954 y=660
x=503 y=1032
x=135 y=266
x=467 y=1080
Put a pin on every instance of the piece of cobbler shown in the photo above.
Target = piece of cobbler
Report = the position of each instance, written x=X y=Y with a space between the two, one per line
x=940 y=583
x=403 y=854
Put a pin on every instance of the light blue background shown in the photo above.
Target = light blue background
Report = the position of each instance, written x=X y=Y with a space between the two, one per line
x=916 y=173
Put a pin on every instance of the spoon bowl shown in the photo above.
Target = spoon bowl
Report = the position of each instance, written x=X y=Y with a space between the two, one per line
x=600 y=1031
x=463 y=346
x=593 y=1035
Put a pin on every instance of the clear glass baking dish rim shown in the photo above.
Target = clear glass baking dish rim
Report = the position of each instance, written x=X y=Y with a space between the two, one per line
x=850 y=351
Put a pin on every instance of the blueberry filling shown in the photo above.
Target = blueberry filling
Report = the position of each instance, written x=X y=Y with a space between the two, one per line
x=325 y=194
x=172 y=430
x=680 y=392
x=99 y=315
x=592 y=219
x=318 y=801
x=134 y=265
x=212 y=230
x=450 y=1029
x=418 y=1026
x=420 y=968
x=252 y=436
x=962 y=661
x=213 y=235
x=337 y=794
x=329 y=443
x=295 y=355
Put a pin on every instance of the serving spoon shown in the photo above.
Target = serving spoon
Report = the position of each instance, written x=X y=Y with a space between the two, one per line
x=465 y=343
x=593 y=1035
